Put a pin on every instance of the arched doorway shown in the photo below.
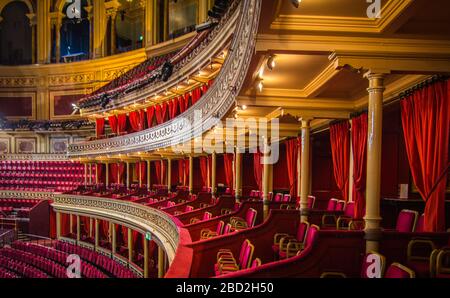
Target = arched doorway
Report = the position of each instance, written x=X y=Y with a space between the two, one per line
x=15 y=34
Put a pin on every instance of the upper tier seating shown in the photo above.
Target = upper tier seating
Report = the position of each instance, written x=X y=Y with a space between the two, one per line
x=285 y=245
x=406 y=221
x=238 y=223
x=40 y=175
x=226 y=262
x=20 y=268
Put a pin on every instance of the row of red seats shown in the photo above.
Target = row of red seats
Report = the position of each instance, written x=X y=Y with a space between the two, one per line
x=42 y=174
x=51 y=268
x=87 y=270
x=7 y=274
x=21 y=268
x=103 y=262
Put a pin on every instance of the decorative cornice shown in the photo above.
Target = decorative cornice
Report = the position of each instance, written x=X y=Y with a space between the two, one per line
x=34 y=157
x=135 y=216
x=214 y=105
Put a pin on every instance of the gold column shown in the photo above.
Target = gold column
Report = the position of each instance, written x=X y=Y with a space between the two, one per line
x=97 y=233
x=43 y=32
x=140 y=174
x=145 y=257
x=128 y=174
x=202 y=11
x=99 y=20
x=305 y=169
x=214 y=173
x=112 y=229
x=149 y=187
x=130 y=245
x=58 y=24
x=85 y=174
x=149 y=23
x=78 y=228
x=107 y=175
x=374 y=135
x=161 y=257
x=113 y=32
x=90 y=173
x=58 y=225
x=266 y=182
x=32 y=18
x=91 y=226
x=166 y=20
x=71 y=224
x=238 y=173
x=169 y=174
x=191 y=174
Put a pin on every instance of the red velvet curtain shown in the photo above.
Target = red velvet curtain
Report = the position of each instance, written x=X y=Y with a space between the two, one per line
x=258 y=168
x=359 y=148
x=150 y=115
x=100 y=174
x=340 y=150
x=99 y=127
x=113 y=172
x=122 y=123
x=113 y=123
x=65 y=224
x=136 y=121
x=52 y=223
x=173 y=108
x=161 y=112
x=124 y=235
x=196 y=94
x=186 y=171
x=181 y=170
x=228 y=167
x=426 y=126
x=158 y=172
x=186 y=101
x=291 y=155
x=181 y=104
x=105 y=228
x=204 y=169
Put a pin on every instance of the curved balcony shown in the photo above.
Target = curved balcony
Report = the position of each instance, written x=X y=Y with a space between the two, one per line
x=213 y=106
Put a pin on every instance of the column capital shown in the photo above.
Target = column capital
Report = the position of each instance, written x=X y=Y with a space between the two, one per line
x=30 y=16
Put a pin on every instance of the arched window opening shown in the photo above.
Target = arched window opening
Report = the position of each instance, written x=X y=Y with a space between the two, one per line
x=183 y=16
x=129 y=24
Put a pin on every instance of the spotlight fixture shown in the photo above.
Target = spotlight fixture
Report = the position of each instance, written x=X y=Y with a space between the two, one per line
x=296 y=3
x=166 y=71
x=271 y=62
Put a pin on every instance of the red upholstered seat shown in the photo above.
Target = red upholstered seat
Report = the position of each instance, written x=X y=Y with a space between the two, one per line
x=250 y=219
x=226 y=263
x=311 y=202
x=397 y=270
x=332 y=204
x=406 y=221
x=420 y=226
x=286 y=245
x=278 y=198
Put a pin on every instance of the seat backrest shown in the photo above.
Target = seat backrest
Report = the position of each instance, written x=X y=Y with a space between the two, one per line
x=349 y=209
x=311 y=202
x=406 y=221
x=188 y=208
x=243 y=250
x=420 y=226
x=311 y=235
x=227 y=229
x=302 y=230
x=219 y=228
x=397 y=270
x=256 y=263
x=286 y=198
x=340 y=205
x=207 y=215
x=332 y=204
x=373 y=265
x=247 y=257
x=278 y=197
x=250 y=217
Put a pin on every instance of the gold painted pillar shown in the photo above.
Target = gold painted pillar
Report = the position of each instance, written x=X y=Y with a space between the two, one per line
x=99 y=26
x=32 y=18
x=58 y=24
x=202 y=11
x=305 y=174
x=149 y=23
x=78 y=228
x=169 y=174
x=43 y=32
x=266 y=182
x=374 y=135
x=149 y=186
x=161 y=258
x=97 y=233
x=107 y=175
x=140 y=174
x=112 y=229
x=128 y=175
x=166 y=20
x=113 y=32
x=191 y=174
x=70 y=224
x=213 y=173
x=146 y=259
x=130 y=245
x=85 y=174
x=58 y=225
x=91 y=227
x=238 y=173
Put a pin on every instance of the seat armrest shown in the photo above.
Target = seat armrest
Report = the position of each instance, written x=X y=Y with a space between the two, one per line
x=414 y=243
x=332 y=274
x=277 y=237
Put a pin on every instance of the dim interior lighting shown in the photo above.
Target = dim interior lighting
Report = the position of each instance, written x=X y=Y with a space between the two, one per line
x=244 y=107
x=271 y=62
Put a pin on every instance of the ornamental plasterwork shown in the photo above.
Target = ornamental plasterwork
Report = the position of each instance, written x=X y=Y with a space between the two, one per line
x=78 y=78
x=213 y=105
x=113 y=73
x=18 y=82
x=138 y=217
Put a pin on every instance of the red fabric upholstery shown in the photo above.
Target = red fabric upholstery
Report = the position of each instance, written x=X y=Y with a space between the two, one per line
x=359 y=148
x=406 y=221
x=258 y=169
x=420 y=226
x=228 y=166
x=99 y=127
x=292 y=146
x=332 y=204
x=396 y=271
x=340 y=145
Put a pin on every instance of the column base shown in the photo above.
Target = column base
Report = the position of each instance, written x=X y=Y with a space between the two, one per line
x=373 y=237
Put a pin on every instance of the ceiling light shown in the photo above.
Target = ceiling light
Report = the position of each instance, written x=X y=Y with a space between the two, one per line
x=260 y=85
x=271 y=62
x=244 y=107
x=296 y=3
